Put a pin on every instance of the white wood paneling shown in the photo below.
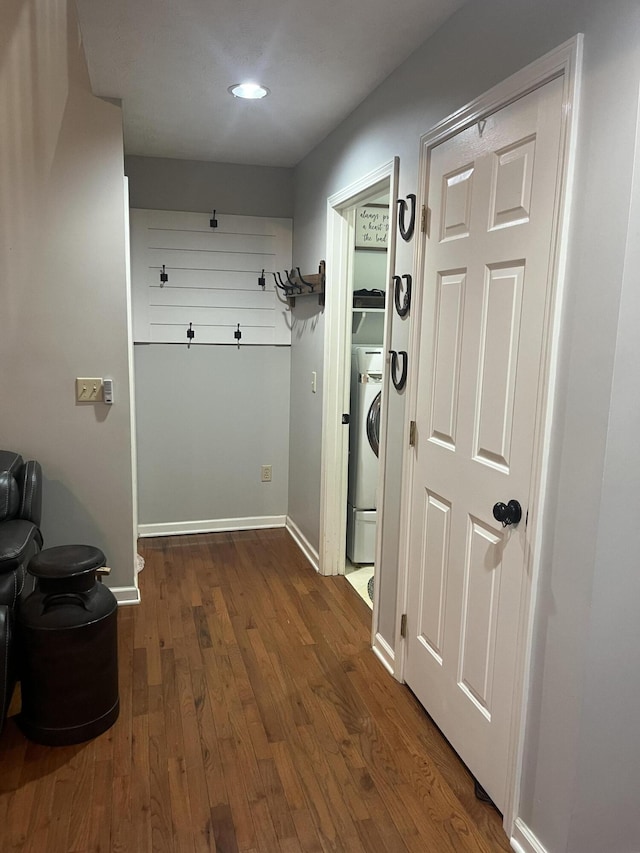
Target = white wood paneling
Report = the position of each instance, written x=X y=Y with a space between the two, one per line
x=212 y=277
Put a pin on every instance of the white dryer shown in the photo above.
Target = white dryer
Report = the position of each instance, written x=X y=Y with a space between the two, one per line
x=367 y=367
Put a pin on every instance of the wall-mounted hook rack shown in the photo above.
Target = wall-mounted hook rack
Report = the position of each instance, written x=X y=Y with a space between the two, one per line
x=237 y=335
x=164 y=277
x=262 y=282
x=314 y=283
x=190 y=335
x=213 y=222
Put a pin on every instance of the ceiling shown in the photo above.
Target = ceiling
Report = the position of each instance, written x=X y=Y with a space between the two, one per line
x=171 y=64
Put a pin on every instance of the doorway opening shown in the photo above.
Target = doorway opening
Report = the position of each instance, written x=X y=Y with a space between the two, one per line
x=356 y=319
x=368 y=302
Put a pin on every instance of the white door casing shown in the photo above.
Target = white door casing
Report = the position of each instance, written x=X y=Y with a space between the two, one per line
x=491 y=258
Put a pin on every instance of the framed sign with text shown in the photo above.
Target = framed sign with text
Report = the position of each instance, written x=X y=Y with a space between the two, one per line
x=372 y=227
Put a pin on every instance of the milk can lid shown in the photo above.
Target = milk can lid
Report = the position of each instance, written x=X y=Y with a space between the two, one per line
x=64 y=561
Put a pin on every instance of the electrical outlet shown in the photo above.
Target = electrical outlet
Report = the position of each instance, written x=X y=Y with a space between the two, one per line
x=89 y=389
x=265 y=473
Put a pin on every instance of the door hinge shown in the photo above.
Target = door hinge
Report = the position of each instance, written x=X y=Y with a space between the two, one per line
x=403 y=625
x=424 y=220
x=412 y=433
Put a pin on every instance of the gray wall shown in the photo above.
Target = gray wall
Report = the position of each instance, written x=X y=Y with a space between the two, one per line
x=606 y=813
x=208 y=417
x=305 y=437
x=159 y=183
x=63 y=298
x=576 y=638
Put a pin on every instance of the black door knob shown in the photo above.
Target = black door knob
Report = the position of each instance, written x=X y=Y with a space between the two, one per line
x=510 y=513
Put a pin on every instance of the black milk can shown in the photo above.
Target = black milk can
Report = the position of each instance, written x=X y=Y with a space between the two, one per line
x=68 y=646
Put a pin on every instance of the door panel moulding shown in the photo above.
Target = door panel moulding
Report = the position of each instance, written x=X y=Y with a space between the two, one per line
x=563 y=62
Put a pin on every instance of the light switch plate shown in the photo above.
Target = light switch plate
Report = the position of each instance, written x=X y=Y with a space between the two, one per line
x=89 y=389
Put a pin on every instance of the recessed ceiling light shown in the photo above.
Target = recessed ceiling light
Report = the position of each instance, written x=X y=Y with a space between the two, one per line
x=249 y=91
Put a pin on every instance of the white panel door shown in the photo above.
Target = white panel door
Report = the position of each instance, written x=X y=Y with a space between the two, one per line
x=492 y=191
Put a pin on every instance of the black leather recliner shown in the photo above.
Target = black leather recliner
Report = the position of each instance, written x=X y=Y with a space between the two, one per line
x=20 y=540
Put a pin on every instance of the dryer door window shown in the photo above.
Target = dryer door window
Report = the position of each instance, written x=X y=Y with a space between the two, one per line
x=373 y=424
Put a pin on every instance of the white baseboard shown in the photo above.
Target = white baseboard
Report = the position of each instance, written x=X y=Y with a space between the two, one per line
x=523 y=840
x=126 y=594
x=303 y=543
x=383 y=651
x=211 y=525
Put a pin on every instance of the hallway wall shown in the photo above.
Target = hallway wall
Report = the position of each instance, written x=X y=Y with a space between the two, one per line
x=223 y=412
x=479 y=46
x=63 y=297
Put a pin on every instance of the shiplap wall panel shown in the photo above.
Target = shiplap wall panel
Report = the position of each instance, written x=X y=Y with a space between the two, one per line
x=212 y=277
x=175 y=334
x=224 y=317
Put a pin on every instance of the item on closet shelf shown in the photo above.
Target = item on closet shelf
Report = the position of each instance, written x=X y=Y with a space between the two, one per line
x=399 y=383
x=364 y=298
x=406 y=231
x=402 y=307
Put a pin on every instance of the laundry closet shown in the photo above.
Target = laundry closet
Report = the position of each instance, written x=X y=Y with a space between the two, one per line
x=369 y=280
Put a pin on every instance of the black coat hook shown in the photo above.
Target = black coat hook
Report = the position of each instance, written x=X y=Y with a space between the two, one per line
x=262 y=282
x=402 y=308
x=190 y=335
x=292 y=283
x=213 y=222
x=399 y=382
x=301 y=277
x=237 y=335
x=406 y=231
x=280 y=284
x=164 y=277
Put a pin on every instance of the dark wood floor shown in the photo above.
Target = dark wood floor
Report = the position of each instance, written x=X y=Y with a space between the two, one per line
x=254 y=718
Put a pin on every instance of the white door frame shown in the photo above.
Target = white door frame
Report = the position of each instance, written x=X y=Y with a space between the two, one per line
x=336 y=381
x=565 y=62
